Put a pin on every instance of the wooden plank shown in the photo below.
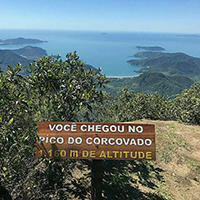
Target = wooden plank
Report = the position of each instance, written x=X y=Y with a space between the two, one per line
x=72 y=127
x=118 y=141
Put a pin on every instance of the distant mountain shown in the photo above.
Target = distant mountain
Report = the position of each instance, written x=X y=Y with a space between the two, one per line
x=30 y=53
x=24 y=55
x=153 y=48
x=7 y=57
x=20 y=41
x=149 y=82
x=147 y=54
x=168 y=63
x=162 y=84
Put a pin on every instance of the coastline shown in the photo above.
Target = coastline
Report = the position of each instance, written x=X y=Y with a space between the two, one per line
x=110 y=52
x=120 y=77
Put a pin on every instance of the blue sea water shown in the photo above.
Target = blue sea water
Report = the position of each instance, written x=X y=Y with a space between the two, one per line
x=109 y=51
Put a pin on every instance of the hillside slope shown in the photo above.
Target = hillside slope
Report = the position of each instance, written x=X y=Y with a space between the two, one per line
x=7 y=57
x=178 y=154
x=169 y=63
x=30 y=53
x=24 y=55
x=151 y=82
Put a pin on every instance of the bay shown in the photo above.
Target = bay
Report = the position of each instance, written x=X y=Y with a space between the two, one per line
x=110 y=50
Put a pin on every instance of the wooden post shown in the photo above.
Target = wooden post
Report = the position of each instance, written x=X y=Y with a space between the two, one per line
x=97 y=168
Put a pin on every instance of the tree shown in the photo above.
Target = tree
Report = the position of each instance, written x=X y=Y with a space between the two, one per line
x=186 y=105
x=131 y=106
x=54 y=90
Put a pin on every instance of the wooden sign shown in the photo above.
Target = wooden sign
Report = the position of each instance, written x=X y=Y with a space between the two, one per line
x=95 y=140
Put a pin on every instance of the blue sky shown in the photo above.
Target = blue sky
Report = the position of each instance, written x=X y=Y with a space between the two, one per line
x=176 y=16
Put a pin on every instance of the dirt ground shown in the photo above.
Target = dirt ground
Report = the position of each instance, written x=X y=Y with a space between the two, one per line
x=178 y=154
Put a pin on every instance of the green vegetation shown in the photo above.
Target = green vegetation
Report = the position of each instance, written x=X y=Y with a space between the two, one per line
x=7 y=57
x=168 y=63
x=54 y=90
x=171 y=142
x=24 y=56
x=57 y=90
x=149 y=82
x=154 y=48
x=19 y=41
x=30 y=53
x=186 y=105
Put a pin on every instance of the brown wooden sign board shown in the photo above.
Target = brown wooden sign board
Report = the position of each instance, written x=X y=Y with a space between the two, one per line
x=95 y=140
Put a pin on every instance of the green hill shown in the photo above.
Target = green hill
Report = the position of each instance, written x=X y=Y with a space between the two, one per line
x=7 y=57
x=24 y=55
x=30 y=53
x=149 y=82
x=168 y=63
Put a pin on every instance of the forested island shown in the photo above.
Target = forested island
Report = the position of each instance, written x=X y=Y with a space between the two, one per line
x=189 y=35
x=20 y=41
x=153 y=48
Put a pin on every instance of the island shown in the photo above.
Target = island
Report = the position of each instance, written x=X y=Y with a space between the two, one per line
x=189 y=35
x=20 y=41
x=153 y=48
x=104 y=33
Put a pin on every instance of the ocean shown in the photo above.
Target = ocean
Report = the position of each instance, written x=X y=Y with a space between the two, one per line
x=110 y=50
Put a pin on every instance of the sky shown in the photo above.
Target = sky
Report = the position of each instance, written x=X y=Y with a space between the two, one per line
x=171 y=16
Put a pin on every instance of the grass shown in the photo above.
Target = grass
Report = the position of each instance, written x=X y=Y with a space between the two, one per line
x=164 y=190
x=195 y=164
x=177 y=150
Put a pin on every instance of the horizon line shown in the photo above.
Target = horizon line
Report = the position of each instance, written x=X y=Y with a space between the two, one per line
x=100 y=31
